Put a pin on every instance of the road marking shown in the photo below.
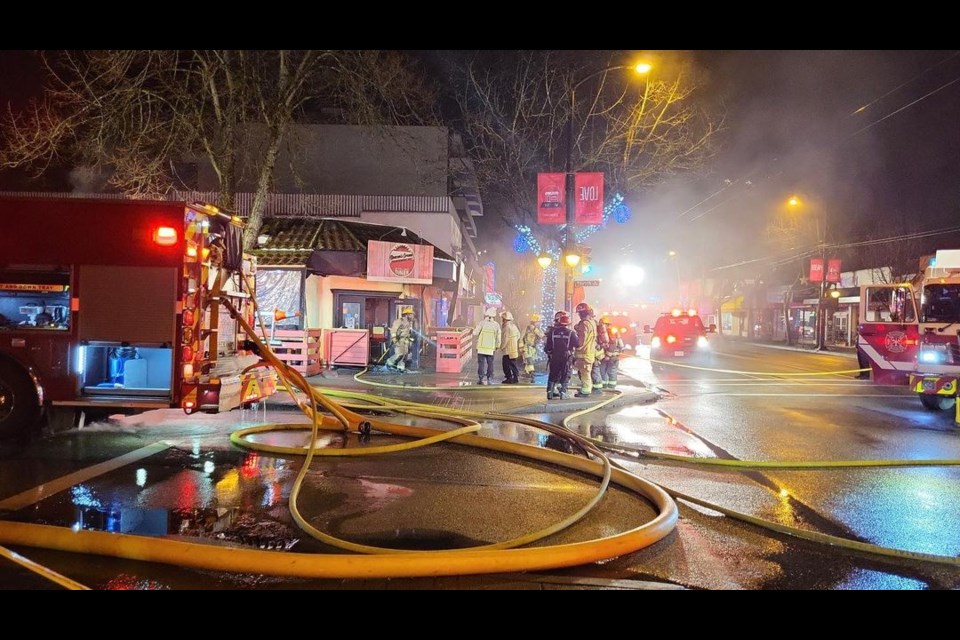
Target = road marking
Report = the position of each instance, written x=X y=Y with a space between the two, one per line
x=805 y=395
x=47 y=489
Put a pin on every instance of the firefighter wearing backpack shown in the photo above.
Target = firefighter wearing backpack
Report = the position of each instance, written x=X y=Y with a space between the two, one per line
x=559 y=344
x=611 y=355
x=528 y=344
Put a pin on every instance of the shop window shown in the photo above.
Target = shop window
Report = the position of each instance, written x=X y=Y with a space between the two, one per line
x=34 y=300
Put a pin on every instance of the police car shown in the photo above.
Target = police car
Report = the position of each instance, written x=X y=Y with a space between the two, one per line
x=679 y=334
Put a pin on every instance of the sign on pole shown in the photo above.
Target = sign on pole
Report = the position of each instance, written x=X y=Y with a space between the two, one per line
x=816 y=270
x=551 y=198
x=586 y=283
x=588 y=198
x=833 y=270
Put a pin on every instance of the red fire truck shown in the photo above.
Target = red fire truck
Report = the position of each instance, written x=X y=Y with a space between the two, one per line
x=113 y=304
x=908 y=331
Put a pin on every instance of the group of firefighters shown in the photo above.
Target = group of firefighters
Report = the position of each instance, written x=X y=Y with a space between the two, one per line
x=590 y=346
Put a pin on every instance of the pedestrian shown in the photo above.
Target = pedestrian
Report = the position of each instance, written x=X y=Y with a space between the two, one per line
x=585 y=355
x=486 y=337
x=611 y=355
x=531 y=338
x=510 y=345
x=559 y=345
x=401 y=333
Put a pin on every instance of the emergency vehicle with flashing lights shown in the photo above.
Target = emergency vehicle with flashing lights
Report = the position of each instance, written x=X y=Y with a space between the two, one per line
x=679 y=334
x=908 y=332
x=620 y=324
x=117 y=305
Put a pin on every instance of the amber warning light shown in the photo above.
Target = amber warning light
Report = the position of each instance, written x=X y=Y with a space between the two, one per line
x=165 y=236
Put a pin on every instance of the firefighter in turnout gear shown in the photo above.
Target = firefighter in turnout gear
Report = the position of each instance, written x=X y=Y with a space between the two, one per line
x=401 y=332
x=603 y=339
x=510 y=345
x=585 y=354
x=486 y=337
x=528 y=344
x=611 y=355
x=559 y=345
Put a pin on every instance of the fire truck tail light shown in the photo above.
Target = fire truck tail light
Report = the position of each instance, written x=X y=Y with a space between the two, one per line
x=655 y=342
x=192 y=252
x=188 y=371
x=188 y=317
x=165 y=236
x=671 y=339
x=187 y=354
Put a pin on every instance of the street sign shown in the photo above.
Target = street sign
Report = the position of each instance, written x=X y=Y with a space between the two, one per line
x=586 y=283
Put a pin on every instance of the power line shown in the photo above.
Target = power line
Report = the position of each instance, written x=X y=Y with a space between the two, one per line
x=907 y=106
x=903 y=84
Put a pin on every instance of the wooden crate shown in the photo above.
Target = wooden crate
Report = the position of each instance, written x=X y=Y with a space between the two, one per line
x=454 y=348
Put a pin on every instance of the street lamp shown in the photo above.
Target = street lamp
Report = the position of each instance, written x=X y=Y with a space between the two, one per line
x=676 y=262
x=821 y=326
x=640 y=68
x=544 y=260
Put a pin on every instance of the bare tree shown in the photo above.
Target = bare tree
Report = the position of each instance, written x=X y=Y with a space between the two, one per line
x=136 y=113
x=520 y=113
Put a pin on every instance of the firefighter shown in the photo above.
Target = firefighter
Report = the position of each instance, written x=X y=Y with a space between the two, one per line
x=559 y=345
x=603 y=339
x=510 y=346
x=401 y=332
x=611 y=355
x=487 y=338
x=585 y=355
x=531 y=338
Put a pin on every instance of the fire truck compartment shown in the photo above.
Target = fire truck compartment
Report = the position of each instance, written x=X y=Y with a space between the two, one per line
x=111 y=369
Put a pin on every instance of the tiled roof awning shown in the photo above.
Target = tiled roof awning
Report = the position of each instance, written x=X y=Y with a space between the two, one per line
x=290 y=242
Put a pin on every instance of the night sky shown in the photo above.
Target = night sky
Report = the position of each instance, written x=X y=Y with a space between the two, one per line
x=791 y=126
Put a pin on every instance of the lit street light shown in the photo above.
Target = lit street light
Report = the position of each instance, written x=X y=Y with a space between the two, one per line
x=821 y=326
x=544 y=260
x=640 y=68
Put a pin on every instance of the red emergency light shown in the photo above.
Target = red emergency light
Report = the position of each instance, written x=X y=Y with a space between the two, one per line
x=165 y=236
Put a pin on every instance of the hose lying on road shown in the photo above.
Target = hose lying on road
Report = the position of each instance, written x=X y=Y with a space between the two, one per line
x=373 y=562
x=796 y=532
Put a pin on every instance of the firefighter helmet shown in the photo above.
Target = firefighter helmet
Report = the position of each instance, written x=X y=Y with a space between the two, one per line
x=557 y=315
x=583 y=310
x=508 y=316
x=604 y=320
x=564 y=320
x=534 y=317
x=490 y=313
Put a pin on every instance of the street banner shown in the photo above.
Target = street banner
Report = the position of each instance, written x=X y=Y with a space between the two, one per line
x=588 y=198
x=490 y=278
x=816 y=270
x=551 y=198
x=399 y=262
x=833 y=270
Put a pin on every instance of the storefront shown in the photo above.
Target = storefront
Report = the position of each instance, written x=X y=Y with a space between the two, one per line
x=319 y=274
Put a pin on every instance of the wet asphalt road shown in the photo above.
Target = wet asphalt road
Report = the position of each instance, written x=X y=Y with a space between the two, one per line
x=773 y=414
x=198 y=485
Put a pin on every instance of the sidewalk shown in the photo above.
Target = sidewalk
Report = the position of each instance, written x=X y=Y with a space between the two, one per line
x=441 y=389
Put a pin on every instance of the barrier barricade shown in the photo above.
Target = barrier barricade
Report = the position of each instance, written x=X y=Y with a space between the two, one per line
x=300 y=349
x=347 y=347
x=454 y=348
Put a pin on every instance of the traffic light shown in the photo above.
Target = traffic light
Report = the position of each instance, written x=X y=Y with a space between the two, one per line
x=585 y=262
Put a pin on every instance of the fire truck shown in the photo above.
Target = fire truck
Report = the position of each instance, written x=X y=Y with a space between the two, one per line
x=908 y=331
x=122 y=305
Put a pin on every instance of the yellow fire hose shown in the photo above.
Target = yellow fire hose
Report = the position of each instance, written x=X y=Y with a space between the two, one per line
x=378 y=562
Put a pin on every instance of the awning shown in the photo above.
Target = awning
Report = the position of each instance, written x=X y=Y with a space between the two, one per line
x=733 y=305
